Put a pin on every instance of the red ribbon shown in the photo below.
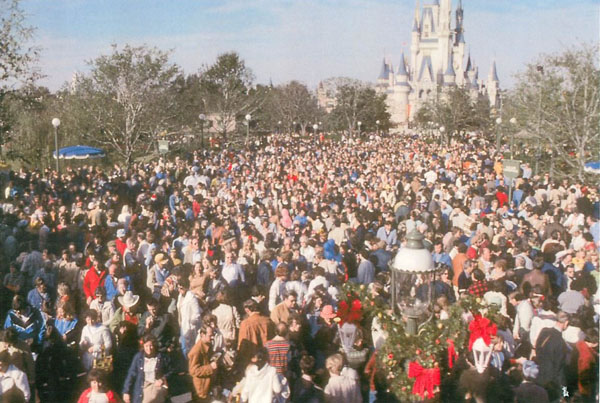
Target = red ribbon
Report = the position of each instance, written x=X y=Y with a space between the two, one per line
x=452 y=355
x=481 y=327
x=425 y=379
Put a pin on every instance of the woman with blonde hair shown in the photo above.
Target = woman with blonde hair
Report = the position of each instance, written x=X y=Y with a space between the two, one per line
x=343 y=385
x=65 y=322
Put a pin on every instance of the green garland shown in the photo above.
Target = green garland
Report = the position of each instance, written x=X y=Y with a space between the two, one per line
x=428 y=348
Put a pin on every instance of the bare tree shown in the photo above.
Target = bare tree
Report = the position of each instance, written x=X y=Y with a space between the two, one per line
x=125 y=102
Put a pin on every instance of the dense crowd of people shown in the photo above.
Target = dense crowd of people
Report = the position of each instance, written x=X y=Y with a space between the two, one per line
x=216 y=274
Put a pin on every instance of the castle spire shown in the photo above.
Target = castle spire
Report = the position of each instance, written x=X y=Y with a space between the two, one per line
x=385 y=72
x=493 y=73
x=416 y=22
x=402 y=67
x=469 y=65
x=449 y=74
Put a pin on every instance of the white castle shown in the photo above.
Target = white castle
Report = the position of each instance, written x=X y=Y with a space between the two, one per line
x=437 y=54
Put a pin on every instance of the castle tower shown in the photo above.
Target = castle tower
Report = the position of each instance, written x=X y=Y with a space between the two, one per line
x=493 y=86
x=459 y=45
x=436 y=60
x=415 y=37
x=449 y=74
x=384 y=75
x=403 y=88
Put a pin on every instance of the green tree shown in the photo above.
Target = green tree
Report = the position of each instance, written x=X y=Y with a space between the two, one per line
x=17 y=61
x=227 y=91
x=126 y=101
x=31 y=109
x=457 y=111
x=556 y=100
x=358 y=102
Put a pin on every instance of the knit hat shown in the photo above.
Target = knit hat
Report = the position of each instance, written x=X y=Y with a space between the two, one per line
x=530 y=369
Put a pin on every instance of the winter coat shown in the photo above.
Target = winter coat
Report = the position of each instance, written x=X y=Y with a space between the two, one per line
x=264 y=385
x=200 y=369
x=134 y=382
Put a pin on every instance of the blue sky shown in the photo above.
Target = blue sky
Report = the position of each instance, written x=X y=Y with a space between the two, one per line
x=306 y=40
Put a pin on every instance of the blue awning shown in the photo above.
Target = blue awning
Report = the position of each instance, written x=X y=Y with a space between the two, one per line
x=79 y=153
x=592 y=167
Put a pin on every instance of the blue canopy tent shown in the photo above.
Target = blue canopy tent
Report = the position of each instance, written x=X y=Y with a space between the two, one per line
x=592 y=167
x=79 y=153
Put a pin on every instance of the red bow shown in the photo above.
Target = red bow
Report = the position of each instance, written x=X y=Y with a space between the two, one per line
x=481 y=327
x=425 y=379
x=350 y=314
x=452 y=355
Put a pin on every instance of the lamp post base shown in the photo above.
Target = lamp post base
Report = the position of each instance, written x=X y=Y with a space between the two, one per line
x=412 y=325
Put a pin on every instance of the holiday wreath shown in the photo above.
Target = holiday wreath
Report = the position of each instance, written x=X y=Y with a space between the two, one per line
x=415 y=366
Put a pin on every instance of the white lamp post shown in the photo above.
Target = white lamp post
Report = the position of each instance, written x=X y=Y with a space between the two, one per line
x=56 y=123
x=413 y=264
x=202 y=118
x=377 y=122
x=294 y=127
x=442 y=130
x=359 y=123
x=248 y=118
x=279 y=127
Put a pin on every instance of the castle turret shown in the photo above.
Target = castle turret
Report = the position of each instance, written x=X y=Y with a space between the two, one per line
x=415 y=37
x=384 y=74
x=402 y=73
x=449 y=74
x=403 y=89
x=493 y=86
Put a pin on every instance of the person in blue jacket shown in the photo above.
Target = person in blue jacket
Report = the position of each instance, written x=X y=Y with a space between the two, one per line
x=27 y=321
x=147 y=376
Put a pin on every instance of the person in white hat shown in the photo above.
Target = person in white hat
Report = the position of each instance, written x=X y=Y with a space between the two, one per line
x=127 y=311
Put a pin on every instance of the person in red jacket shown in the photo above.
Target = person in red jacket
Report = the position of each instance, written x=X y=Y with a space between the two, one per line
x=93 y=278
x=501 y=196
x=97 y=392
x=120 y=241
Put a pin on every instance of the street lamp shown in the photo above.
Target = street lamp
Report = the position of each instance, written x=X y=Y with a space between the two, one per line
x=359 y=123
x=377 y=122
x=442 y=130
x=279 y=127
x=248 y=118
x=315 y=127
x=202 y=118
x=413 y=265
x=538 y=152
x=498 y=123
x=56 y=123
x=513 y=121
x=294 y=127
